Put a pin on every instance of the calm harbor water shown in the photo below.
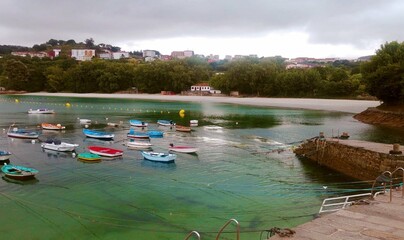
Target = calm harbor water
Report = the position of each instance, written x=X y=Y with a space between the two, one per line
x=246 y=171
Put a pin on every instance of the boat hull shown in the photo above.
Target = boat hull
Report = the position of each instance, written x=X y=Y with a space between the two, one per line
x=23 y=136
x=183 y=149
x=41 y=111
x=19 y=172
x=137 y=123
x=159 y=157
x=89 y=157
x=139 y=145
x=166 y=123
x=49 y=126
x=5 y=155
x=97 y=134
x=63 y=147
x=105 y=152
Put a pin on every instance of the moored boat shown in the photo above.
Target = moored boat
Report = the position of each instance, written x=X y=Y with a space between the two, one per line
x=97 y=134
x=138 y=135
x=138 y=123
x=181 y=128
x=155 y=133
x=57 y=145
x=159 y=157
x=166 y=123
x=139 y=144
x=4 y=155
x=84 y=121
x=193 y=123
x=183 y=149
x=18 y=172
x=41 y=111
x=105 y=152
x=50 y=126
x=213 y=127
x=89 y=157
x=22 y=133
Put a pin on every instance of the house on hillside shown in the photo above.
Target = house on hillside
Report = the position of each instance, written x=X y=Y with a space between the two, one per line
x=83 y=54
x=204 y=88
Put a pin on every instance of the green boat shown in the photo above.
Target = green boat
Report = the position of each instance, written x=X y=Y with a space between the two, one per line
x=89 y=157
x=18 y=172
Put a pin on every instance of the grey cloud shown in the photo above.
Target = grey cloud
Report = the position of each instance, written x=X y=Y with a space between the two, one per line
x=326 y=21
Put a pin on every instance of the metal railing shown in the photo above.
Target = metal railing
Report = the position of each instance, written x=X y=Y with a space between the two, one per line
x=193 y=233
x=225 y=225
x=337 y=203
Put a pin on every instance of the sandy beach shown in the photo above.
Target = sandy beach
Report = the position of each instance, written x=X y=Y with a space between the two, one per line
x=348 y=106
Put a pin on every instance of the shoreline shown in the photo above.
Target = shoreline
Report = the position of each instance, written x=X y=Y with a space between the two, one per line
x=337 y=105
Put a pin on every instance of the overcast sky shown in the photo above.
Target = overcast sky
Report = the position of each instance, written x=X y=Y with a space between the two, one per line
x=290 y=28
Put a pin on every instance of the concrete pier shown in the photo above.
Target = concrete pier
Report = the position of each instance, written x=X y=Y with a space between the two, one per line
x=380 y=219
x=359 y=159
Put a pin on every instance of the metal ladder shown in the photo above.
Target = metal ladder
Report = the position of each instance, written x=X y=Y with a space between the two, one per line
x=220 y=231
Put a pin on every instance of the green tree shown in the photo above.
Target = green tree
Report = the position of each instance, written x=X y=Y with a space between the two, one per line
x=384 y=73
x=16 y=75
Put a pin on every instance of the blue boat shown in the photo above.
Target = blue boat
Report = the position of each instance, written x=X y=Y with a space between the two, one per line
x=18 y=172
x=138 y=123
x=22 y=133
x=165 y=122
x=159 y=157
x=4 y=155
x=140 y=135
x=97 y=134
x=155 y=133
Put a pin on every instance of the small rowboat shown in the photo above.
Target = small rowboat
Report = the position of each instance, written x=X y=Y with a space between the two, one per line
x=22 y=133
x=166 y=123
x=84 y=121
x=213 y=127
x=138 y=135
x=57 y=145
x=182 y=149
x=181 y=128
x=50 y=126
x=155 y=134
x=97 y=134
x=4 y=155
x=18 y=172
x=41 y=111
x=105 y=152
x=159 y=157
x=138 y=123
x=139 y=144
x=193 y=123
x=89 y=157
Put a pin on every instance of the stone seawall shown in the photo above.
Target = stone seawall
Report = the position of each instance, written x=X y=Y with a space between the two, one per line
x=358 y=159
x=380 y=117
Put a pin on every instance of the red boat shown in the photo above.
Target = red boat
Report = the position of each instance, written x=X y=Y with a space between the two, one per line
x=105 y=152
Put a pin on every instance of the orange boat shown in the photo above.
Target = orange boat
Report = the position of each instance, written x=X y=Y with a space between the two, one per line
x=50 y=126
x=181 y=128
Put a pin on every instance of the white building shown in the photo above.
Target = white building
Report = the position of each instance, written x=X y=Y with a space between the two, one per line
x=204 y=87
x=119 y=55
x=150 y=53
x=83 y=54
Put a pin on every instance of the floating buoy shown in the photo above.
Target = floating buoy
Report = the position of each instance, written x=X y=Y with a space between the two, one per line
x=182 y=111
x=33 y=141
x=68 y=105
x=17 y=101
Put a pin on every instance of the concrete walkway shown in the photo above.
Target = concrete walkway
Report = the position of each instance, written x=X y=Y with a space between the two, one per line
x=380 y=219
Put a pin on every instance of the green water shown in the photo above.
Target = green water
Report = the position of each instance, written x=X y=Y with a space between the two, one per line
x=244 y=171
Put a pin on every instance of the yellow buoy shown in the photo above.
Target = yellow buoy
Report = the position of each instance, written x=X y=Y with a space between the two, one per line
x=17 y=101
x=182 y=111
x=68 y=105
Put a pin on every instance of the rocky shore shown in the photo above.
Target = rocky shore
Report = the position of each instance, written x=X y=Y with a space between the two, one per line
x=377 y=116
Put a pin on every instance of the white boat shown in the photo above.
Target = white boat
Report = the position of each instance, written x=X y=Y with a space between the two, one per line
x=183 y=149
x=139 y=144
x=4 y=155
x=84 y=121
x=159 y=157
x=41 y=111
x=193 y=123
x=166 y=123
x=57 y=145
x=212 y=127
x=138 y=123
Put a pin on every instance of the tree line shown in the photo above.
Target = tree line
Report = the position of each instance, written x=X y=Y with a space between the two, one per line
x=266 y=77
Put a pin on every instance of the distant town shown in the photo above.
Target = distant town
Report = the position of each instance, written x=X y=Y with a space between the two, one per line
x=88 y=51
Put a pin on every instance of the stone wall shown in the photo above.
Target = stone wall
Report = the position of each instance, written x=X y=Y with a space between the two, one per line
x=356 y=162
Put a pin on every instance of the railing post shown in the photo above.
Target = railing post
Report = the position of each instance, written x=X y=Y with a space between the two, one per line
x=227 y=223
x=193 y=233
